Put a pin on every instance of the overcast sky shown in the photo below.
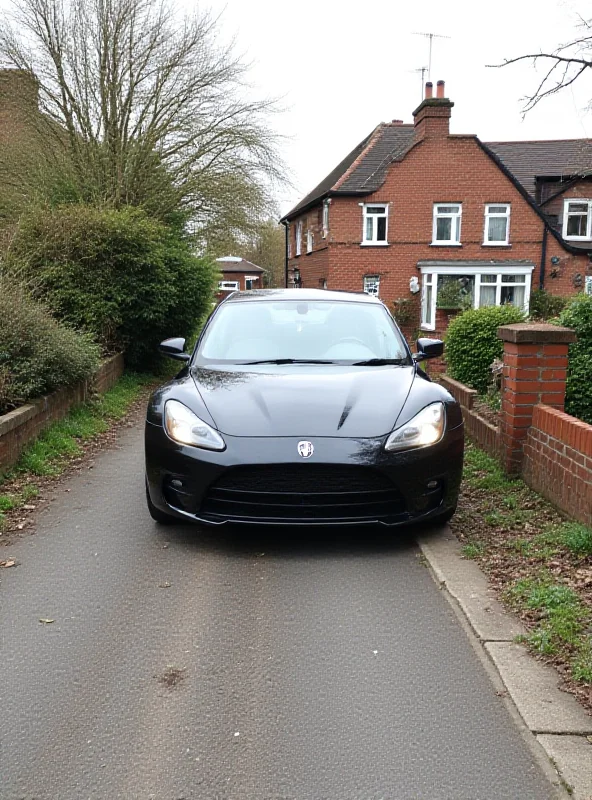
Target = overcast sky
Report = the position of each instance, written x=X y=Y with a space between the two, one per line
x=342 y=67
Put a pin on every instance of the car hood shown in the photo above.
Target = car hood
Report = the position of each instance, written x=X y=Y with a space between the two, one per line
x=300 y=400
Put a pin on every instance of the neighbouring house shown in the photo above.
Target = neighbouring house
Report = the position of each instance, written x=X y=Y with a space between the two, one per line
x=433 y=222
x=238 y=275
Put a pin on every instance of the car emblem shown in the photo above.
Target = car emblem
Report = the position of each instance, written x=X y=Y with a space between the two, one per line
x=305 y=449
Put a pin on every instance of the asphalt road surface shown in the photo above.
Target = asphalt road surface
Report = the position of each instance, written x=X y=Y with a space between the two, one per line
x=236 y=666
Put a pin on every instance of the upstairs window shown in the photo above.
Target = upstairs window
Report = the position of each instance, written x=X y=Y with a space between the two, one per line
x=375 y=224
x=447 y=218
x=299 y=237
x=325 y=219
x=309 y=241
x=497 y=224
x=372 y=284
x=577 y=219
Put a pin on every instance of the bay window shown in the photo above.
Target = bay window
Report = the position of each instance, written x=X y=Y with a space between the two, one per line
x=577 y=219
x=497 y=224
x=463 y=286
x=375 y=223
x=299 y=237
x=447 y=219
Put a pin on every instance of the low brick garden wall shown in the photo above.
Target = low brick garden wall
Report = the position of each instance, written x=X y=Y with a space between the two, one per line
x=21 y=426
x=558 y=461
x=481 y=431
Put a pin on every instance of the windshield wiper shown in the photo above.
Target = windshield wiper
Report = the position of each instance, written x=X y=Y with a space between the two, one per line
x=380 y=362
x=288 y=361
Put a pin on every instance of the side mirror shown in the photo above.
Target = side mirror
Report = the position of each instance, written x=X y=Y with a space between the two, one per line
x=174 y=348
x=428 y=348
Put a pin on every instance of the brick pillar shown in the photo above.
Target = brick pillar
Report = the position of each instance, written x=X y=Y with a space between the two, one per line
x=535 y=371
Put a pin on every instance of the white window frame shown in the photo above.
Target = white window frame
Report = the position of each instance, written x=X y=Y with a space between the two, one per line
x=325 y=230
x=477 y=271
x=428 y=322
x=298 y=234
x=566 y=216
x=496 y=215
x=453 y=228
x=309 y=241
x=374 y=242
x=251 y=278
x=372 y=280
x=228 y=286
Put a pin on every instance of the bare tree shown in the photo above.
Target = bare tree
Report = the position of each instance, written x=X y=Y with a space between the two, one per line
x=151 y=109
x=563 y=66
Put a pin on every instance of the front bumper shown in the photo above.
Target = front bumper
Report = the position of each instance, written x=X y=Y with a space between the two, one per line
x=264 y=480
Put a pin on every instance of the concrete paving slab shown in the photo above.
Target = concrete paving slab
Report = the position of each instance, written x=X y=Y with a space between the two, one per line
x=469 y=587
x=534 y=689
x=573 y=757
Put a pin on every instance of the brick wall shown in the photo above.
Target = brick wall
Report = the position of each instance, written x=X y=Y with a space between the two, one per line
x=21 y=426
x=479 y=429
x=558 y=461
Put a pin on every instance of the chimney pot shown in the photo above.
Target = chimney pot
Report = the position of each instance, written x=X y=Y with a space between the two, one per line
x=396 y=122
x=440 y=89
x=428 y=90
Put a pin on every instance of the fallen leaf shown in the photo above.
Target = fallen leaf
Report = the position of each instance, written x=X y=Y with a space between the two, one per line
x=47 y=621
x=7 y=564
x=165 y=585
x=29 y=507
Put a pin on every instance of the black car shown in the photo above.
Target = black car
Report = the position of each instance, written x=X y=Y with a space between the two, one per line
x=307 y=407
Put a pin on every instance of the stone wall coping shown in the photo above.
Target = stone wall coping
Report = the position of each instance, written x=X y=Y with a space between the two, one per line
x=13 y=419
x=536 y=333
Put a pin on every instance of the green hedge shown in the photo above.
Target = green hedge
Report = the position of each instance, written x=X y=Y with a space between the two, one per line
x=37 y=353
x=578 y=399
x=127 y=279
x=472 y=343
x=544 y=306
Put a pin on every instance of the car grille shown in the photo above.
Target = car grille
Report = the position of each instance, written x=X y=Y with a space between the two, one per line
x=307 y=492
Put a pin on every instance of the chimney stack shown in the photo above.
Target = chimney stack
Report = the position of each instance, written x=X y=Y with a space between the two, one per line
x=432 y=117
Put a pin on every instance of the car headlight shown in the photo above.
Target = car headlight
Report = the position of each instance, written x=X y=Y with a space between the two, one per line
x=424 y=429
x=183 y=426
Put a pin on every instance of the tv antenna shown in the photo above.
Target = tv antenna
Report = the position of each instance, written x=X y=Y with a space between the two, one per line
x=420 y=71
x=431 y=37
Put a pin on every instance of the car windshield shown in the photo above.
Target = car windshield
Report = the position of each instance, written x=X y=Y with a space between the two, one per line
x=302 y=331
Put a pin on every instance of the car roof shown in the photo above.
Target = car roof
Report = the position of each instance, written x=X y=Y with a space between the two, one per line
x=301 y=294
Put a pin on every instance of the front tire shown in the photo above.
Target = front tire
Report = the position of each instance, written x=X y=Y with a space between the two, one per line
x=157 y=515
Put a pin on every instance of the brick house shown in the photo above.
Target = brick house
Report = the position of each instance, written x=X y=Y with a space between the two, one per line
x=238 y=275
x=432 y=221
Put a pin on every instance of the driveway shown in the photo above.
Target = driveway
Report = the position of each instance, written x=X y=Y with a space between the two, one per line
x=185 y=664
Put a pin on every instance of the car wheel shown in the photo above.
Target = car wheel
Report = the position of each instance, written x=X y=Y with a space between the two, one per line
x=443 y=518
x=157 y=515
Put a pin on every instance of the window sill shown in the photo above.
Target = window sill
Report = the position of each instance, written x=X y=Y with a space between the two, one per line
x=425 y=327
x=374 y=244
x=496 y=244
x=446 y=244
x=577 y=239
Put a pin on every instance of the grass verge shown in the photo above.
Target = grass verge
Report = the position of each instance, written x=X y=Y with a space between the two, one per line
x=539 y=562
x=62 y=442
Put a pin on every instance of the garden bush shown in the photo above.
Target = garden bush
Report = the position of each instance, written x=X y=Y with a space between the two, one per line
x=578 y=399
x=472 y=343
x=37 y=353
x=128 y=279
x=544 y=306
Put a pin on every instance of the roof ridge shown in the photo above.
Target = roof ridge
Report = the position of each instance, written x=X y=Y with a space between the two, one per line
x=374 y=137
x=539 y=141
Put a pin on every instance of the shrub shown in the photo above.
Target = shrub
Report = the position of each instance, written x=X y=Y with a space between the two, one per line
x=578 y=399
x=37 y=353
x=128 y=279
x=472 y=343
x=544 y=306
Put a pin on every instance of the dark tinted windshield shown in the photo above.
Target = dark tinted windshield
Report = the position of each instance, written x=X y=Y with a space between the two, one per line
x=322 y=330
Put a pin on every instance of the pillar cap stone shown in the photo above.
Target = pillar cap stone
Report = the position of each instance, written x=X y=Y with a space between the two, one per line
x=536 y=333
